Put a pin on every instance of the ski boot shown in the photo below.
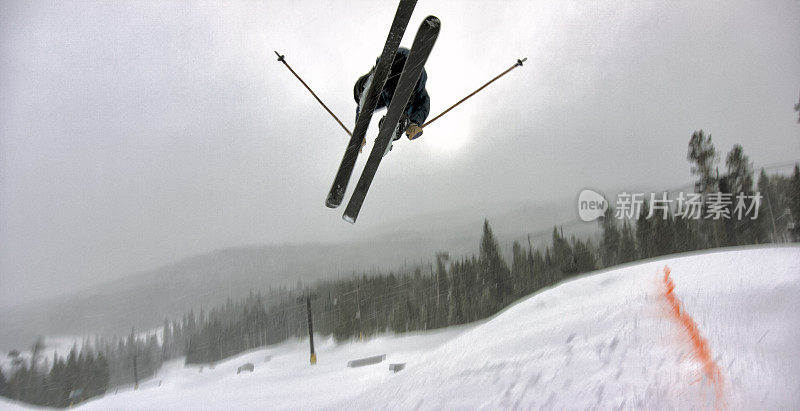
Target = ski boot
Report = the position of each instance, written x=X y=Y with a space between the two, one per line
x=402 y=125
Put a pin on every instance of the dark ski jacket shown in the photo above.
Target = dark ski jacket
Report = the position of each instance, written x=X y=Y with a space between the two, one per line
x=420 y=104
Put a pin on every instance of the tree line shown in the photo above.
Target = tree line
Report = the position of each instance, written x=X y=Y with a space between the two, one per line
x=80 y=375
x=666 y=233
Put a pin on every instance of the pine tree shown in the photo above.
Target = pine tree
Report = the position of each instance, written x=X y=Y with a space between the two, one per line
x=739 y=181
x=740 y=171
x=494 y=270
x=471 y=288
x=663 y=233
x=685 y=237
x=794 y=202
x=627 y=248
x=610 y=245
x=539 y=279
x=703 y=157
x=102 y=373
x=644 y=233
x=14 y=384
x=457 y=291
x=442 y=288
x=166 y=341
x=32 y=382
x=57 y=395
x=767 y=231
x=563 y=254
x=548 y=259
x=520 y=269
x=583 y=258
x=3 y=383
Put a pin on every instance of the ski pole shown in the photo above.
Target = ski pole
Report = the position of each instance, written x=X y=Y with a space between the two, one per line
x=283 y=60
x=517 y=64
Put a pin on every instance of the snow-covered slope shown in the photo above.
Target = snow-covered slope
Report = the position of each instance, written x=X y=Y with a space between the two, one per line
x=610 y=341
x=607 y=340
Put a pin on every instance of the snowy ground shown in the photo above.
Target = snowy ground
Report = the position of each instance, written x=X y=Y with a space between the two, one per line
x=604 y=341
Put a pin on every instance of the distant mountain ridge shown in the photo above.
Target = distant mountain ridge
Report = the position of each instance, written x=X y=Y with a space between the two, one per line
x=143 y=300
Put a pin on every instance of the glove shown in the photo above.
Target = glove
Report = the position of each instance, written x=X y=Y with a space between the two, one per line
x=413 y=131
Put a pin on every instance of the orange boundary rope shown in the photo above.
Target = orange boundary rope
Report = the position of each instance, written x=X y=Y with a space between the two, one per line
x=700 y=348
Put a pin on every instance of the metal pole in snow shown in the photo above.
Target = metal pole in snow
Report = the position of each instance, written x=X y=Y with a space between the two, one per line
x=311 y=331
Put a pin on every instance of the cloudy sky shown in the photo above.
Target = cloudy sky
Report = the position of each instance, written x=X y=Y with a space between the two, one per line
x=133 y=134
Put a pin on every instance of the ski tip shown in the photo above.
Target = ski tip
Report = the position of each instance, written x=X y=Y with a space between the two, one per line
x=331 y=202
x=349 y=219
x=335 y=196
x=433 y=21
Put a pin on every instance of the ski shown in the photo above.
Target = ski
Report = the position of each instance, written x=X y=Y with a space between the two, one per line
x=420 y=50
x=369 y=100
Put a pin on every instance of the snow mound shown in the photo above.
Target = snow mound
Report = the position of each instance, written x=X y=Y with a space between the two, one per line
x=605 y=340
x=608 y=341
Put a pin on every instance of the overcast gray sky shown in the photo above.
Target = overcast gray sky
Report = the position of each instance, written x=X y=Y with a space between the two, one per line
x=133 y=134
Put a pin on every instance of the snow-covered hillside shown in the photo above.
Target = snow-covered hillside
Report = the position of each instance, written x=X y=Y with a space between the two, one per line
x=608 y=340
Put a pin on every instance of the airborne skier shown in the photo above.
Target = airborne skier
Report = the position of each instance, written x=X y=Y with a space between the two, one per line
x=406 y=91
x=397 y=82
x=419 y=104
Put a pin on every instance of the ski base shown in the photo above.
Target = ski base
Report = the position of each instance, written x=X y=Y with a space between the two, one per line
x=370 y=101
x=420 y=50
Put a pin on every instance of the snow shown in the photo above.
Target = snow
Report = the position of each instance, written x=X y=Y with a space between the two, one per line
x=605 y=340
x=7 y=404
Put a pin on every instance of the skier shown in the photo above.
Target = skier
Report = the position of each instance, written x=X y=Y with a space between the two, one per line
x=418 y=106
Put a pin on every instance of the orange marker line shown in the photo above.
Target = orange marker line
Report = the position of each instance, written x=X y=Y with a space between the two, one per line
x=700 y=347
